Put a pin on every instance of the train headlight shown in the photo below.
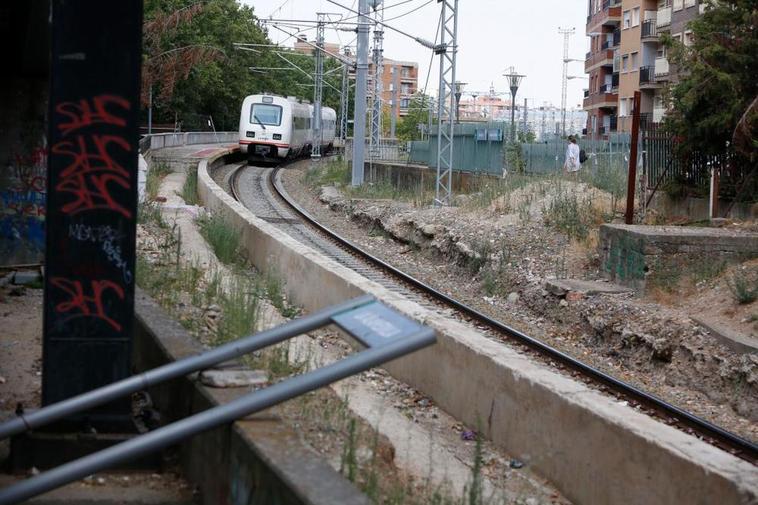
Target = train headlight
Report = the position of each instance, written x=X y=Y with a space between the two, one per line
x=250 y=134
x=277 y=136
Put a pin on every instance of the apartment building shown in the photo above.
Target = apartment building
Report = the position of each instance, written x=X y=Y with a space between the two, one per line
x=407 y=75
x=626 y=56
x=406 y=82
x=673 y=17
x=601 y=96
x=303 y=47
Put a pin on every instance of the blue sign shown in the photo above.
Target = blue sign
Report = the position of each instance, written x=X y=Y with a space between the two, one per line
x=495 y=135
x=374 y=325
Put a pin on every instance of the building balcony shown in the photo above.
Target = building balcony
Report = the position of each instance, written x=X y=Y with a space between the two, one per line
x=609 y=15
x=661 y=68
x=648 y=77
x=649 y=31
x=598 y=59
x=658 y=113
x=603 y=99
x=607 y=44
x=664 y=17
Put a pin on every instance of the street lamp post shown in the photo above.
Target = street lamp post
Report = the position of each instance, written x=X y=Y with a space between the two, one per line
x=514 y=81
x=458 y=92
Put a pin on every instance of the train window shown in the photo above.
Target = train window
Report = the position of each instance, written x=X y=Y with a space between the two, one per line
x=269 y=115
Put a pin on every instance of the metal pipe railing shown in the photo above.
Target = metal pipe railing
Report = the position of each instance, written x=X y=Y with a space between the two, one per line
x=85 y=401
x=244 y=406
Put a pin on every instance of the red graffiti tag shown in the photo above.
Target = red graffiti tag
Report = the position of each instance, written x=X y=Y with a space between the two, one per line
x=85 y=113
x=37 y=157
x=90 y=175
x=87 y=305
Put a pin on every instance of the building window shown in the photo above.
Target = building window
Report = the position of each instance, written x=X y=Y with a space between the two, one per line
x=635 y=61
x=636 y=16
x=405 y=103
x=689 y=38
x=406 y=89
x=406 y=72
x=627 y=19
x=625 y=63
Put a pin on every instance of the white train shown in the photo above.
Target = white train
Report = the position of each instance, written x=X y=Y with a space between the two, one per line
x=274 y=128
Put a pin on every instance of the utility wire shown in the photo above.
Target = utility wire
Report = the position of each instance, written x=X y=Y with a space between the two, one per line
x=410 y=11
x=420 y=40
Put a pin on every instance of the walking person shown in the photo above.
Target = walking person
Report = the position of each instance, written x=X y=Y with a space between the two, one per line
x=573 y=162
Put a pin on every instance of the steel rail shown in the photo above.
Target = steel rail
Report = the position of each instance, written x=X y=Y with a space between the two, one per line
x=726 y=440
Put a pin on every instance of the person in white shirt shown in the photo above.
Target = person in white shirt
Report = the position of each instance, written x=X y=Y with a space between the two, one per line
x=572 y=163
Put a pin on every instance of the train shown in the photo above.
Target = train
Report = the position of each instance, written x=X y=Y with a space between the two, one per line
x=275 y=128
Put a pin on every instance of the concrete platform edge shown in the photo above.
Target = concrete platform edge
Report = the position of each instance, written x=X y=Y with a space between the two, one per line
x=591 y=447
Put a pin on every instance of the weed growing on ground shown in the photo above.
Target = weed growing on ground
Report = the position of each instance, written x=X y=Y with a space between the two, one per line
x=608 y=178
x=222 y=237
x=155 y=175
x=706 y=268
x=274 y=287
x=332 y=172
x=482 y=249
x=239 y=304
x=150 y=213
x=189 y=189
x=743 y=286
x=574 y=217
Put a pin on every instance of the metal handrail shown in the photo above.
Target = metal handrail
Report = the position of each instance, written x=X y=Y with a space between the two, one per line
x=386 y=335
x=85 y=401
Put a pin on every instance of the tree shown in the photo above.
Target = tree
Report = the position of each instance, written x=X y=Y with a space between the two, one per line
x=418 y=114
x=217 y=86
x=714 y=102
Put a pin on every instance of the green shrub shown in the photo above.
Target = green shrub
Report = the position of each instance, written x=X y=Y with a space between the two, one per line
x=222 y=237
x=744 y=287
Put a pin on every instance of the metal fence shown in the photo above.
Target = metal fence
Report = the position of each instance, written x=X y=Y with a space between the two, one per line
x=477 y=147
x=547 y=157
x=690 y=172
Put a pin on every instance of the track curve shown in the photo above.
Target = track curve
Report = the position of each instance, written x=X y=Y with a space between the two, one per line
x=277 y=207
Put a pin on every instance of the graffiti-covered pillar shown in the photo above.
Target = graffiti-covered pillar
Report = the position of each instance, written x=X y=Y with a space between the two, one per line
x=25 y=43
x=91 y=199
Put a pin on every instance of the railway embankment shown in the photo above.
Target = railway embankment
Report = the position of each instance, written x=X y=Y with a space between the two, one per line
x=595 y=448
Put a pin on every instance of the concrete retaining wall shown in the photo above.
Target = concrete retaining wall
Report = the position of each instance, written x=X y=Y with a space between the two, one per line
x=258 y=460
x=412 y=176
x=591 y=447
x=161 y=140
x=698 y=209
x=636 y=254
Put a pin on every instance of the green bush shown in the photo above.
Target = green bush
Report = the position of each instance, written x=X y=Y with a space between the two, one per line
x=744 y=287
x=222 y=237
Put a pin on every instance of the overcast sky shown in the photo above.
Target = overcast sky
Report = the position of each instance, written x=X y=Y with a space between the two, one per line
x=493 y=35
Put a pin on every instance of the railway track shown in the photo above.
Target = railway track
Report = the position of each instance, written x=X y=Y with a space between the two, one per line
x=265 y=195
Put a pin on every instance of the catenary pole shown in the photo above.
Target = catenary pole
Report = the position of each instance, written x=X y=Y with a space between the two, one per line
x=361 y=72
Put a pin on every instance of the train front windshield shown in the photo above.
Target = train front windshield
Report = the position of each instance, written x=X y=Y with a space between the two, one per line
x=269 y=115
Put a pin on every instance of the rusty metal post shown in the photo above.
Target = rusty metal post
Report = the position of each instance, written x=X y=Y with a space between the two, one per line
x=632 y=179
